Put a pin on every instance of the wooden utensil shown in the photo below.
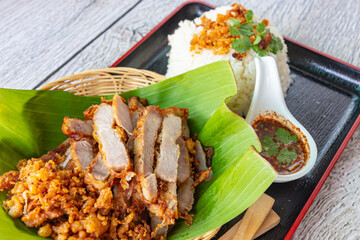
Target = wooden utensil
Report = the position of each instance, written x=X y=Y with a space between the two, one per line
x=253 y=218
x=271 y=220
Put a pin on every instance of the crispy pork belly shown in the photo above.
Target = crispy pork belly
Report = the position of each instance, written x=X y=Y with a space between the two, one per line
x=185 y=129
x=186 y=196
x=82 y=153
x=111 y=146
x=166 y=208
x=130 y=143
x=67 y=158
x=136 y=105
x=200 y=157
x=183 y=113
x=121 y=114
x=134 y=117
x=77 y=128
x=202 y=176
x=89 y=113
x=155 y=223
x=149 y=188
x=184 y=168
x=171 y=197
x=167 y=165
x=147 y=130
x=99 y=170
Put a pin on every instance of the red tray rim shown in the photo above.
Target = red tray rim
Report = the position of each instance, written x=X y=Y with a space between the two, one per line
x=339 y=151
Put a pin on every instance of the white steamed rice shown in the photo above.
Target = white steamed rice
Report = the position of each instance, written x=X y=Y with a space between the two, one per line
x=181 y=60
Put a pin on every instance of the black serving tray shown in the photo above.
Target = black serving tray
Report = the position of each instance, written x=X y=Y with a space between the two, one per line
x=324 y=98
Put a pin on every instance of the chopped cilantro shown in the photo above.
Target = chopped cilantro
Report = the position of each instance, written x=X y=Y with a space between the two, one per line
x=260 y=27
x=285 y=136
x=246 y=29
x=234 y=22
x=249 y=15
x=260 y=52
x=234 y=31
x=255 y=29
x=286 y=156
x=243 y=44
x=275 y=44
x=269 y=146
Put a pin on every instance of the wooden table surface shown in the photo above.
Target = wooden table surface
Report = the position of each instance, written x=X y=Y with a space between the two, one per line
x=42 y=40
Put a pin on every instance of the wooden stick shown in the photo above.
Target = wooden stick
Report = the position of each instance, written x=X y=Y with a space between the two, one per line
x=271 y=220
x=254 y=217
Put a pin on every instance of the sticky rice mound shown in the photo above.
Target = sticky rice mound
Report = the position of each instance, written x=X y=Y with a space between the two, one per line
x=184 y=56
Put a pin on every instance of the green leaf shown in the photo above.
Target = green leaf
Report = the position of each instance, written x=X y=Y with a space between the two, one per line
x=286 y=156
x=284 y=136
x=234 y=22
x=275 y=44
x=260 y=27
x=269 y=146
x=260 y=52
x=30 y=125
x=234 y=31
x=246 y=29
x=249 y=15
x=242 y=44
x=263 y=34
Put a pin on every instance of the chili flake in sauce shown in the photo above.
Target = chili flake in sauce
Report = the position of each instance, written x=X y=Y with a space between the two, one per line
x=281 y=146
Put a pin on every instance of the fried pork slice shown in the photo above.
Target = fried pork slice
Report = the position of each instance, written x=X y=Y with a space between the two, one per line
x=167 y=165
x=67 y=158
x=77 y=128
x=183 y=113
x=155 y=223
x=146 y=134
x=186 y=196
x=184 y=168
x=166 y=208
x=121 y=114
x=82 y=153
x=200 y=157
x=171 y=198
x=98 y=169
x=89 y=113
x=136 y=106
x=202 y=176
x=111 y=145
x=57 y=153
x=149 y=188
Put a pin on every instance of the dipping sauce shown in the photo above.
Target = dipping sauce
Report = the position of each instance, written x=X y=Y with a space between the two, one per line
x=281 y=147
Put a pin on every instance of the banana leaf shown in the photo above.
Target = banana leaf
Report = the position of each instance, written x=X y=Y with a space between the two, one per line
x=30 y=125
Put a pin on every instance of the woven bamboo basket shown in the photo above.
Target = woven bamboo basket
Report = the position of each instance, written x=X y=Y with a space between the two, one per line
x=110 y=81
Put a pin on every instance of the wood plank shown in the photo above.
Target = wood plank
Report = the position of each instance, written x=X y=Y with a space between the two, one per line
x=271 y=220
x=254 y=217
x=119 y=39
x=286 y=15
x=39 y=36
